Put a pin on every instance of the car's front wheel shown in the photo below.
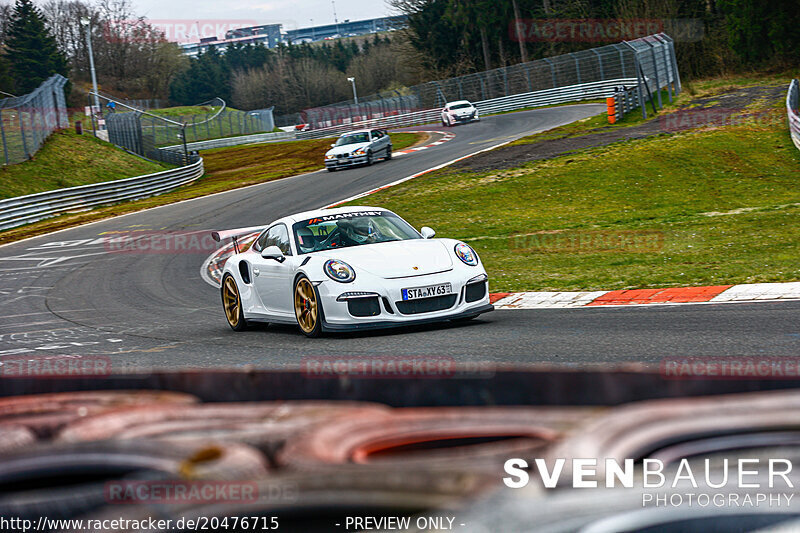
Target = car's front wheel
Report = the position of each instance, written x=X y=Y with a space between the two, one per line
x=232 y=304
x=369 y=159
x=389 y=153
x=307 y=307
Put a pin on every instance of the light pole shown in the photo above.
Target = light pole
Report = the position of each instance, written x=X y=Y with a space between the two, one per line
x=313 y=37
x=85 y=23
x=355 y=96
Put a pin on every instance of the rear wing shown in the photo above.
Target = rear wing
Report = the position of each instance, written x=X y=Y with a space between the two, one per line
x=235 y=234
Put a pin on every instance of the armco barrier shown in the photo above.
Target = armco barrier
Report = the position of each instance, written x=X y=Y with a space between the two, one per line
x=559 y=95
x=26 y=209
x=233 y=141
x=793 y=111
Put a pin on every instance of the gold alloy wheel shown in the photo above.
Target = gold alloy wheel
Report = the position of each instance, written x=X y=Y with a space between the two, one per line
x=231 y=302
x=305 y=306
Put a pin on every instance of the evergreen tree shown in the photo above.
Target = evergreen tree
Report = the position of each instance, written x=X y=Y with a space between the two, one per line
x=31 y=49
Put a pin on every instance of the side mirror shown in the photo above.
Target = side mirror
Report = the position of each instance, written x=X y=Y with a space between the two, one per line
x=273 y=252
x=427 y=233
x=333 y=145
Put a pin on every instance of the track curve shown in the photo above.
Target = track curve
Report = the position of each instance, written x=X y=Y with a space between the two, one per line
x=63 y=294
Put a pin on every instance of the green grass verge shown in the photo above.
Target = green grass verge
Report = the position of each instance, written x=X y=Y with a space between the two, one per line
x=226 y=168
x=725 y=203
x=67 y=160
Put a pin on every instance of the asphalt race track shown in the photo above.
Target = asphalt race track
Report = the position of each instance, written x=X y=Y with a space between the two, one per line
x=63 y=295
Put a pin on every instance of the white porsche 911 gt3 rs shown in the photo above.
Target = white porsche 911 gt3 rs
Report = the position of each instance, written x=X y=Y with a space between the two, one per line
x=350 y=268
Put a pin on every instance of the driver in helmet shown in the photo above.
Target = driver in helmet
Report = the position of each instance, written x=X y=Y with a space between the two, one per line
x=306 y=240
x=358 y=231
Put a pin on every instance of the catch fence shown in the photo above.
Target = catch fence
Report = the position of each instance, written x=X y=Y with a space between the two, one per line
x=26 y=121
x=650 y=60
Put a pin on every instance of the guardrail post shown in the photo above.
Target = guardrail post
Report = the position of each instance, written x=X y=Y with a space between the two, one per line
x=552 y=70
x=577 y=68
x=599 y=63
x=655 y=72
x=674 y=62
x=639 y=78
x=3 y=135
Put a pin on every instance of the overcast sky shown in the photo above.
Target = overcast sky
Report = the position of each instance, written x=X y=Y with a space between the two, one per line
x=291 y=13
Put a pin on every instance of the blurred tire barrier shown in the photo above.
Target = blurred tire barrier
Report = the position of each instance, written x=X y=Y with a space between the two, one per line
x=264 y=425
x=313 y=502
x=30 y=208
x=471 y=438
x=13 y=437
x=65 y=480
x=45 y=414
x=670 y=430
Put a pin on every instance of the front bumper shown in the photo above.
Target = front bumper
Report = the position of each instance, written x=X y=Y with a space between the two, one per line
x=344 y=162
x=463 y=119
x=388 y=308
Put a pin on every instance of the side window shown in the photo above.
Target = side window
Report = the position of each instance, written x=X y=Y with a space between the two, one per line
x=260 y=242
x=278 y=236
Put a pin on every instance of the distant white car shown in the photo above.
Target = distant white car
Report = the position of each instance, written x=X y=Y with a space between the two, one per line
x=360 y=147
x=350 y=268
x=458 y=113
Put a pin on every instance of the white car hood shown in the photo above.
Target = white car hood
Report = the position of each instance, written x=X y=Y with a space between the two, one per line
x=397 y=259
x=345 y=149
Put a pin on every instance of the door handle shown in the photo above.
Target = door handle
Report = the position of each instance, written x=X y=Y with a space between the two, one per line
x=256 y=271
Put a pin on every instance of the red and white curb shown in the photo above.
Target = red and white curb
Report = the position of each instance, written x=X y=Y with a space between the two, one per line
x=446 y=136
x=750 y=292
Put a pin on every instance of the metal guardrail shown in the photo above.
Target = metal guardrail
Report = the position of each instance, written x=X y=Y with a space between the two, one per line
x=233 y=141
x=793 y=111
x=559 y=95
x=26 y=209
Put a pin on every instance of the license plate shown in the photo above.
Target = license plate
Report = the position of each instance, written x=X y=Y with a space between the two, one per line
x=415 y=293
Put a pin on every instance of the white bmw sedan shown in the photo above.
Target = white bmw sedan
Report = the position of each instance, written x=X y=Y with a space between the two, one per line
x=350 y=268
x=360 y=147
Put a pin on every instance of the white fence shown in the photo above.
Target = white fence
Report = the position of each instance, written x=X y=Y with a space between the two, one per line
x=793 y=111
x=26 y=209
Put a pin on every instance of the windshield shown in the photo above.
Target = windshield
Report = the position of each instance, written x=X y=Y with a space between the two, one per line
x=354 y=138
x=351 y=229
x=460 y=106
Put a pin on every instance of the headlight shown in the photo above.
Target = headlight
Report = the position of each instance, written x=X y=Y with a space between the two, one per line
x=339 y=271
x=330 y=156
x=360 y=151
x=466 y=254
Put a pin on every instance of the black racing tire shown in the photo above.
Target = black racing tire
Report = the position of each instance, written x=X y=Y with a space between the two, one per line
x=232 y=304
x=331 y=169
x=307 y=307
x=389 y=153
x=370 y=161
x=445 y=124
